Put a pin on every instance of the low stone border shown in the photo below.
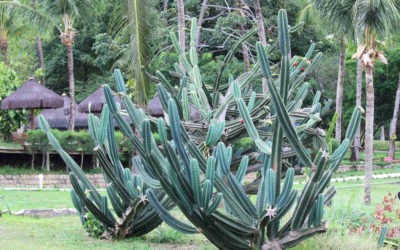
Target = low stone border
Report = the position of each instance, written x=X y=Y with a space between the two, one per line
x=47 y=212
x=46 y=181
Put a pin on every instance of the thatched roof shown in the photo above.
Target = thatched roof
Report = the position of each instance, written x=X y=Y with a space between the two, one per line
x=96 y=101
x=32 y=95
x=59 y=118
x=156 y=109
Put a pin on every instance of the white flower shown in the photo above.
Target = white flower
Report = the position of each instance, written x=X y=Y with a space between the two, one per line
x=271 y=212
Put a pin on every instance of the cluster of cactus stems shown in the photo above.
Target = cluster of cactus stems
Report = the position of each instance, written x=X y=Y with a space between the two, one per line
x=201 y=182
x=221 y=120
x=125 y=191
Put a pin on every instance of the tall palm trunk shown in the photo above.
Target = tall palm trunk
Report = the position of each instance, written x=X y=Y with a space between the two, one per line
x=339 y=91
x=261 y=35
x=181 y=25
x=369 y=132
x=393 y=123
x=165 y=5
x=71 y=79
x=39 y=49
x=357 y=140
x=4 y=48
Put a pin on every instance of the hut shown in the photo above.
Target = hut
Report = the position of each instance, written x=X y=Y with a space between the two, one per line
x=32 y=95
x=96 y=101
x=59 y=118
x=155 y=109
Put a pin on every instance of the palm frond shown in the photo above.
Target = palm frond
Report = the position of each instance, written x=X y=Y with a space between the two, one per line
x=375 y=18
x=132 y=23
x=25 y=13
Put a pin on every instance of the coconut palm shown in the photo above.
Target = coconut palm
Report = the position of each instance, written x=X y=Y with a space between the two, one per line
x=332 y=16
x=67 y=12
x=374 y=19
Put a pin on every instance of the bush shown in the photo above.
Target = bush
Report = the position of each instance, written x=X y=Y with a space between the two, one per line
x=92 y=226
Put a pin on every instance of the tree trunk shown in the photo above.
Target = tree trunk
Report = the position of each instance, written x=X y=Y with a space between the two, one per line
x=200 y=23
x=39 y=49
x=165 y=5
x=245 y=49
x=181 y=25
x=339 y=92
x=70 y=55
x=393 y=123
x=357 y=141
x=261 y=35
x=40 y=56
x=369 y=132
x=382 y=137
x=4 y=48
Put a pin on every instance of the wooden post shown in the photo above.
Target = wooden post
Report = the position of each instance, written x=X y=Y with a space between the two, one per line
x=32 y=119
x=33 y=161
x=48 y=161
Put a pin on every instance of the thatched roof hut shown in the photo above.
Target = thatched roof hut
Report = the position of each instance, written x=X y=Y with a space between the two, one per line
x=32 y=95
x=59 y=118
x=96 y=101
x=156 y=110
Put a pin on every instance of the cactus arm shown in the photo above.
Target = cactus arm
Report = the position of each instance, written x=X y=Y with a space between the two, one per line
x=167 y=217
x=251 y=129
x=147 y=176
x=109 y=222
x=242 y=169
x=282 y=112
x=227 y=59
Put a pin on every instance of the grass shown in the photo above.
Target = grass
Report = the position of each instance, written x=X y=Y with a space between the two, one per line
x=23 y=233
x=17 y=200
x=67 y=233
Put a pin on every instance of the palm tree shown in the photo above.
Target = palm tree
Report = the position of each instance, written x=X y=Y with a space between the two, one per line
x=67 y=12
x=374 y=19
x=39 y=48
x=132 y=21
x=357 y=139
x=331 y=16
x=393 y=123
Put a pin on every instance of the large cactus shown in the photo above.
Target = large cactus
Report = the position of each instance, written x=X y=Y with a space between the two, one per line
x=216 y=103
x=200 y=182
x=132 y=214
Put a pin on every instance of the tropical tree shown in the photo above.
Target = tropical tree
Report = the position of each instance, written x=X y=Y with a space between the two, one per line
x=373 y=19
x=39 y=48
x=68 y=12
x=393 y=123
x=337 y=20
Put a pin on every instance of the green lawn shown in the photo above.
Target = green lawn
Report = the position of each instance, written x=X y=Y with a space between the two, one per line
x=67 y=233
x=17 y=200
